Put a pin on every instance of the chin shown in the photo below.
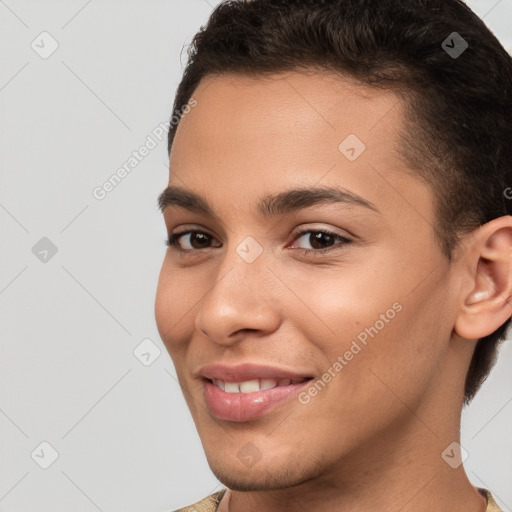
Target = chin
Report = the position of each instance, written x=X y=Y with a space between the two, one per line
x=256 y=478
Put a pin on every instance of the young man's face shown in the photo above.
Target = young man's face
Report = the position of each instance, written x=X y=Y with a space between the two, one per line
x=371 y=317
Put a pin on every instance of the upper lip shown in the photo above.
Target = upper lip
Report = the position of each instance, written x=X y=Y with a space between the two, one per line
x=247 y=371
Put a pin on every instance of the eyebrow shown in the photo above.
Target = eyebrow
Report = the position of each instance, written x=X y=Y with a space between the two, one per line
x=270 y=205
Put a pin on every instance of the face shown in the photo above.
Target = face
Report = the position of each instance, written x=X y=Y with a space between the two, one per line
x=347 y=289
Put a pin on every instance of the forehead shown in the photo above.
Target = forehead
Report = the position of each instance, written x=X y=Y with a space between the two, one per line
x=248 y=136
x=302 y=105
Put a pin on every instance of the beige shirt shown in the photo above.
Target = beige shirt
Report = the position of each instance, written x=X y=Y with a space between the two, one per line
x=211 y=503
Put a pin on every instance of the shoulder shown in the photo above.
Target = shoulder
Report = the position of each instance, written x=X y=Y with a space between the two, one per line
x=492 y=506
x=208 y=504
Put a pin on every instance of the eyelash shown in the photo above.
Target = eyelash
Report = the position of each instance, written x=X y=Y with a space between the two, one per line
x=173 y=240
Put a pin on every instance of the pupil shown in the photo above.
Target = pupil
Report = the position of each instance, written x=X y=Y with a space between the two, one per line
x=195 y=237
x=317 y=237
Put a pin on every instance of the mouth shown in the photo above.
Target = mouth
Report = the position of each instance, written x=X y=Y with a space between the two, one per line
x=247 y=391
x=249 y=400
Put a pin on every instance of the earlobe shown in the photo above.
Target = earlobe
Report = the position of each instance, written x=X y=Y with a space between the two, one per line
x=488 y=267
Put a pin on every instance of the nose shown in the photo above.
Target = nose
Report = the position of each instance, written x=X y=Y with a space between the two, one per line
x=241 y=300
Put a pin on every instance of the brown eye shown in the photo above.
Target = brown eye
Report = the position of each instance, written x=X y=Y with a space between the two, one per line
x=321 y=240
x=196 y=240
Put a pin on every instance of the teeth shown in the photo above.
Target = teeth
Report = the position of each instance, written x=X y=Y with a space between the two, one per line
x=251 y=386
x=231 y=387
x=268 y=383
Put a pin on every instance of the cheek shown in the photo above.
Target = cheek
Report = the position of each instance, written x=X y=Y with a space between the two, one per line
x=345 y=301
x=176 y=296
x=385 y=339
x=163 y=303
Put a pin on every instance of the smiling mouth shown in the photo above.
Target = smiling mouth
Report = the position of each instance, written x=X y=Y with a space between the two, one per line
x=250 y=398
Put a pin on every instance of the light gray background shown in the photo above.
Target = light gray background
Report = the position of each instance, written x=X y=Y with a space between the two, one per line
x=69 y=326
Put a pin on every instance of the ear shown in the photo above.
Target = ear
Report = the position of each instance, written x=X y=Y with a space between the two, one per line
x=487 y=274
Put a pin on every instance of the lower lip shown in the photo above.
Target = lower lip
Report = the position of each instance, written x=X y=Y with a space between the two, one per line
x=247 y=406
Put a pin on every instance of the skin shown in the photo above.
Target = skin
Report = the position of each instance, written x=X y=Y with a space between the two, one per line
x=372 y=439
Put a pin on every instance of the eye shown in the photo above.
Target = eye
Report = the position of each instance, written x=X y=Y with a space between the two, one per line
x=197 y=240
x=320 y=240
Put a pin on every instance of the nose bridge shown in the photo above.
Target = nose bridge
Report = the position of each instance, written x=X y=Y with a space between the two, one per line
x=240 y=297
x=243 y=271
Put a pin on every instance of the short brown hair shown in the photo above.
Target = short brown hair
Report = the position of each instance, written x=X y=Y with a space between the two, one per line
x=458 y=131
